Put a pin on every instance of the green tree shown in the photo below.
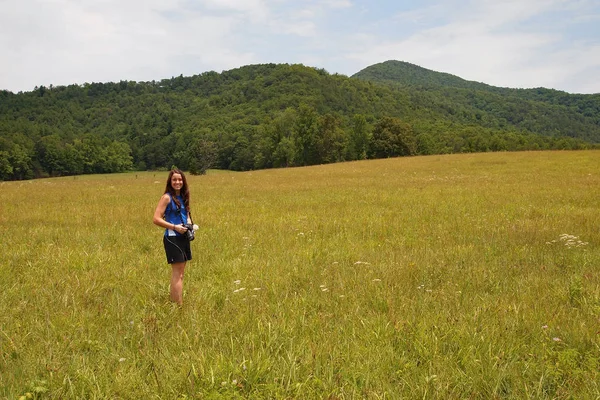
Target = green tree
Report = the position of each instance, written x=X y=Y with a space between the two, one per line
x=358 y=145
x=285 y=153
x=203 y=156
x=392 y=138
x=118 y=157
x=6 y=169
x=50 y=153
x=21 y=163
x=305 y=135
x=264 y=149
x=281 y=131
x=425 y=144
x=331 y=139
x=73 y=159
x=243 y=153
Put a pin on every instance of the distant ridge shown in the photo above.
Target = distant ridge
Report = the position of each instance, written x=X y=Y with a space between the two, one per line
x=402 y=73
x=536 y=109
x=278 y=115
x=407 y=74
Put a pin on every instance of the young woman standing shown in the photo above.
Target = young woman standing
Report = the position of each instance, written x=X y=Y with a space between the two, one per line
x=172 y=210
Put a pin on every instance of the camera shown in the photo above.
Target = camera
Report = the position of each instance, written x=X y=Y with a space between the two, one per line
x=189 y=234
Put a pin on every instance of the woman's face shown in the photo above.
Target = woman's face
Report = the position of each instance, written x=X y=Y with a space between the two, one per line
x=177 y=181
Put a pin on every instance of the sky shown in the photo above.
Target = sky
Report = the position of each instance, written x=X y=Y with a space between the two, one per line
x=509 y=43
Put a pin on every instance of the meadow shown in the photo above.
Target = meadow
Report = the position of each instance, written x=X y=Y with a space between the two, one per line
x=440 y=277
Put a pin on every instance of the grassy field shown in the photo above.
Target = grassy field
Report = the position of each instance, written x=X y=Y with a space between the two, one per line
x=440 y=277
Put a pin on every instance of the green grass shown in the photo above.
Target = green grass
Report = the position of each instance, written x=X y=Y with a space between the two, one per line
x=441 y=277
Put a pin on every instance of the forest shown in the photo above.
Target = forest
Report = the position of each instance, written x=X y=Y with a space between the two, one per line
x=279 y=115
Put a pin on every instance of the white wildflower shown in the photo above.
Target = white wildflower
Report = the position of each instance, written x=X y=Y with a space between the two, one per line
x=569 y=241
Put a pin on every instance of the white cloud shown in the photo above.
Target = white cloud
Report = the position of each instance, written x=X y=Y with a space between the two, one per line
x=298 y=28
x=71 y=42
x=338 y=3
x=487 y=42
x=576 y=68
x=512 y=43
x=257 y=10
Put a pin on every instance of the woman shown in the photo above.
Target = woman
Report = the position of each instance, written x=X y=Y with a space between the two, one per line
x=172 y=210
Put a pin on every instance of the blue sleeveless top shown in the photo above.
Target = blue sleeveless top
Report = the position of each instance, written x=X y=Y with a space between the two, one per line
x=172 y=215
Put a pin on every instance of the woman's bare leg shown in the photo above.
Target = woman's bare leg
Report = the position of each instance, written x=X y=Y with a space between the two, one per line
x=177 y=282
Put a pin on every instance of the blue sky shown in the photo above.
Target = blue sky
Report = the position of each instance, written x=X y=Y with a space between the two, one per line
x=511 y=43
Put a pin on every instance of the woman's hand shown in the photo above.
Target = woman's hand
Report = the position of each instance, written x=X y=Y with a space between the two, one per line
x=180 y=229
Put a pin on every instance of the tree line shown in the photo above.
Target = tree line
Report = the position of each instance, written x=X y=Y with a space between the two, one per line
x=254 y=117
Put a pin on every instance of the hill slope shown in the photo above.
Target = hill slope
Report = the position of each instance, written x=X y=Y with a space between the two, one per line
x=407 y=74
x=263 y=116
x=545 y=111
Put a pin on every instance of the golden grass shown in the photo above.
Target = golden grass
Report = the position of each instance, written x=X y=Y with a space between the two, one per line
x=426 y=277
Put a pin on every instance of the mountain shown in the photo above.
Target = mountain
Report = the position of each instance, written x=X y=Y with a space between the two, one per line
x=410 y=75
x=545 y=111
x=272 y=115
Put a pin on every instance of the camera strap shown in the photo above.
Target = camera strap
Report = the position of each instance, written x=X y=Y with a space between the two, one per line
x=181 y=216
x=190 y=233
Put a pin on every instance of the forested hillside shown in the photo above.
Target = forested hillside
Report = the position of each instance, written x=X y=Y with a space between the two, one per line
x=265 y=116
x=545 y=111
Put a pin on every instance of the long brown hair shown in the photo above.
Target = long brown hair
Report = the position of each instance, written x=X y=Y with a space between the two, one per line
x=184 y=192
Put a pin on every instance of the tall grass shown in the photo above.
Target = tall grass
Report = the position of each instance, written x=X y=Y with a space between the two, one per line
x=429 y=277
